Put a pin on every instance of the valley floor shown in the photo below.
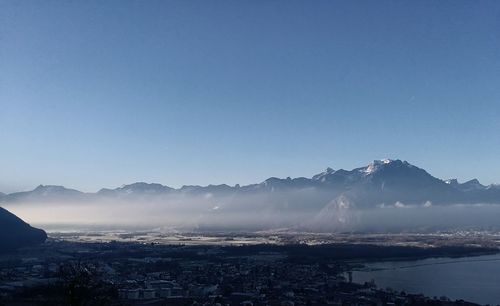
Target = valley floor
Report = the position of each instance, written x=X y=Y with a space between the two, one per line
x=118 y=268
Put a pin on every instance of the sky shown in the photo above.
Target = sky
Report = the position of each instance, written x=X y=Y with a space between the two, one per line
x=104 y=93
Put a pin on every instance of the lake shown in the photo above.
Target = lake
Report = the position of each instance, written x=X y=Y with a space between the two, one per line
x=474 y=279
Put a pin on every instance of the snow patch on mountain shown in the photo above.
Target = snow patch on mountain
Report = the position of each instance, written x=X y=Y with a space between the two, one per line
x=323 y=175
x=376 y=165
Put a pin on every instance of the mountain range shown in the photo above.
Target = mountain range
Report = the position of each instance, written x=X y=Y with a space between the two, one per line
x=382 y=182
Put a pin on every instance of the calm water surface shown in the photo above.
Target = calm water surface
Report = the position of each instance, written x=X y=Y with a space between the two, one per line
x=474 y=279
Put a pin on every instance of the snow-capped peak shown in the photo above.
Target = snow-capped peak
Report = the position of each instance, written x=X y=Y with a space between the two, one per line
x=322 y=176
x=376 y=165
x=453 y=182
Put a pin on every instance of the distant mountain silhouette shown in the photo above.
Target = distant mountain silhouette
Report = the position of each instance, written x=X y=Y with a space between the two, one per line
x=44 y=193
x=382 y=182
x=135 y=190
x=15 y=233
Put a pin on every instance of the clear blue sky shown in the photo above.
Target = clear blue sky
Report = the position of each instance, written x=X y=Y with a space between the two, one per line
x=102 y=93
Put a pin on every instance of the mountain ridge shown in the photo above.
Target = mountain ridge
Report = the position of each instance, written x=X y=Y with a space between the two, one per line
x=381 y=182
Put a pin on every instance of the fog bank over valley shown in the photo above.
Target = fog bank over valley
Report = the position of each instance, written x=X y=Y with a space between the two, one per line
x=384 y=196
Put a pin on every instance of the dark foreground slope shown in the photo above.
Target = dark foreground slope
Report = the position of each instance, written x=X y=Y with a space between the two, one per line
x=15 y=233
